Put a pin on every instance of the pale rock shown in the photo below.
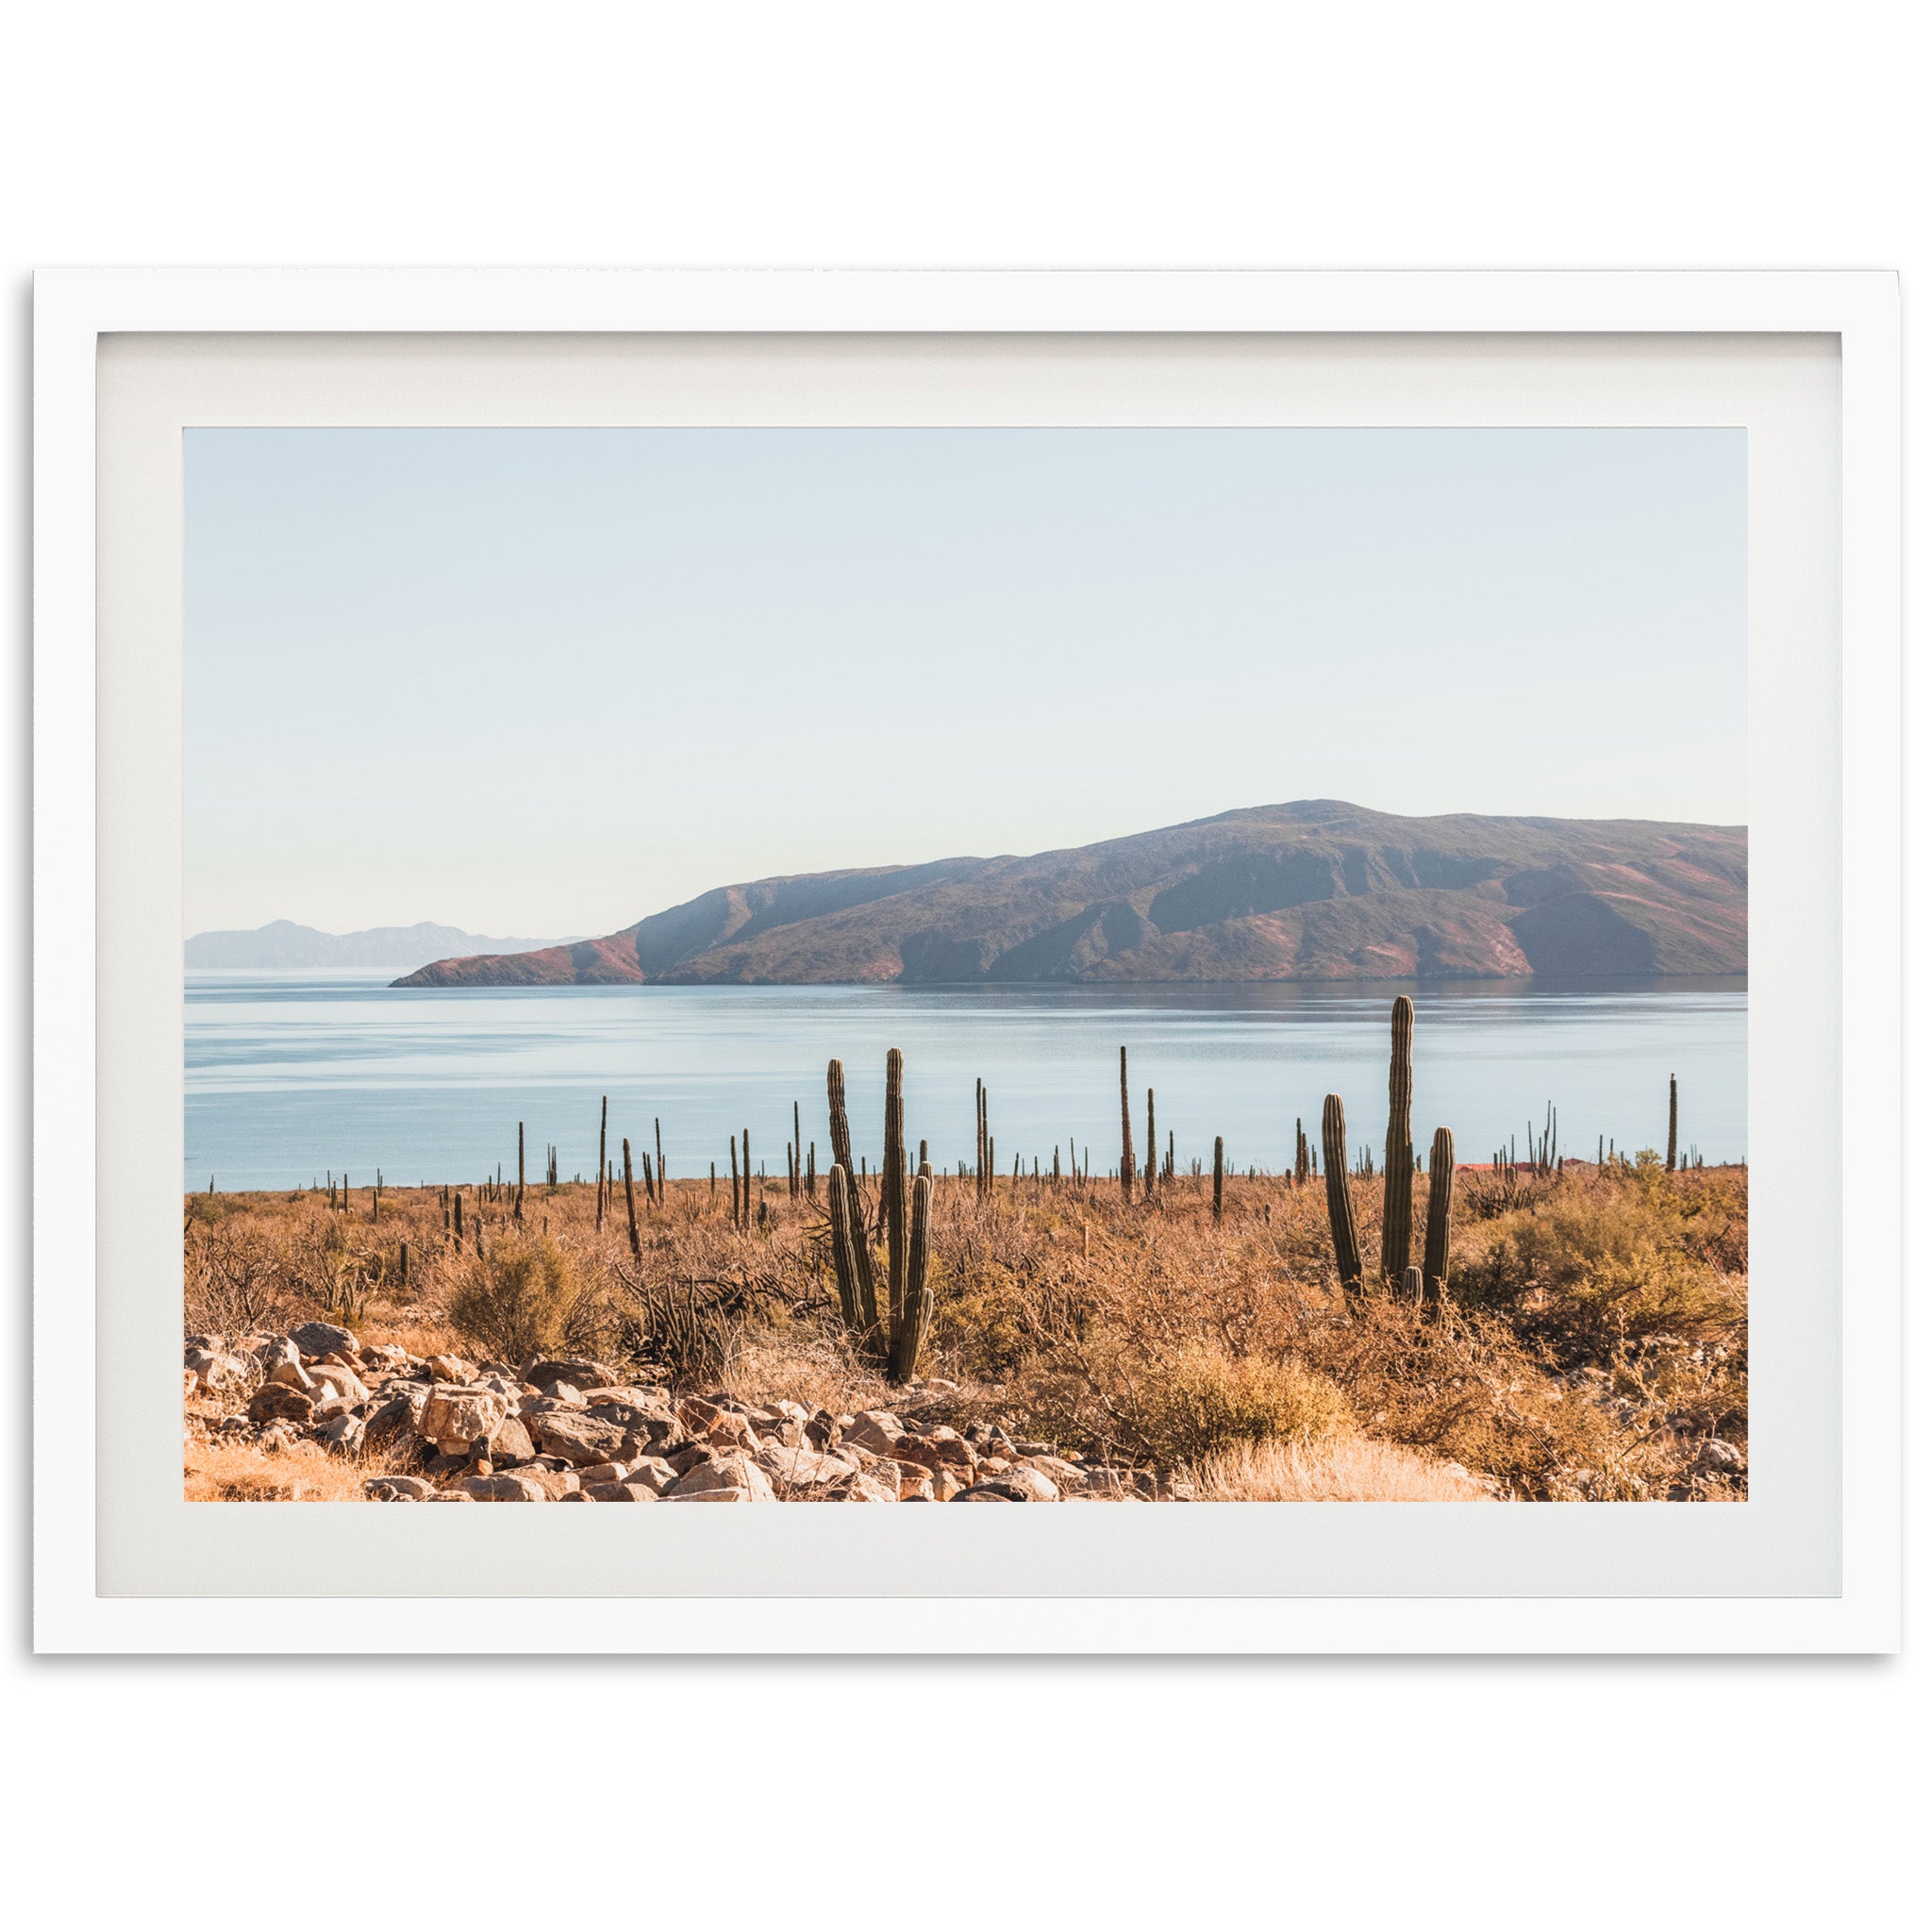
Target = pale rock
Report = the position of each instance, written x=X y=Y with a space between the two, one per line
x=652 y=1472
x=1063 y=1475
x=859 y=1487
x=511 y=1442
x=555 y=1484
x=601 y=1473
x=188 y=1383
x=287 y=1373
x=577 y=1496
x=696 y=1414
x=342 y=1434
x=453 y=1416
x=578 y=1371
x=1033 y=1482
x=503 y=1489
x=875 y=1429
x=448 y=1368
x=801 y=1470
x=732 y=1431
x=728 y=1470
x=397 y=1489
x=581 y=1438
x=341 y=1378
x=946 y=1486
x=565 y=1396
x=915 y=1484
x=324 y=1338
x=449 y=1496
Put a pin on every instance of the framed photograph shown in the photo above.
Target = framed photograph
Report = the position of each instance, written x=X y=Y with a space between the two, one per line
x=1186 y=901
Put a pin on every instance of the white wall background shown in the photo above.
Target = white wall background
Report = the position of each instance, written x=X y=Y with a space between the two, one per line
x=1394 y=135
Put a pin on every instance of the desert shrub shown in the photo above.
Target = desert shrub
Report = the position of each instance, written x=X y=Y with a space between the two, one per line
x=1588 y=1271
x=527 y=1297
x=235 y=1278
x=1198 y=1403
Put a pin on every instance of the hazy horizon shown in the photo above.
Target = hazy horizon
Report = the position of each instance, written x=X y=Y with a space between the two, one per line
x=550 y=681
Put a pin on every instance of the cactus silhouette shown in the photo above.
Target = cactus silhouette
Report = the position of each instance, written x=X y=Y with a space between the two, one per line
x=1442 y=1197
x=910 y=1322
x=1398 y=1154
x=1127 y=1135
x=893 y=1184
x=854 y=1208
x=1348 y=1249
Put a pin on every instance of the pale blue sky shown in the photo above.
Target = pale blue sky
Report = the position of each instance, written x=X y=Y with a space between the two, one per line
x=547 y=681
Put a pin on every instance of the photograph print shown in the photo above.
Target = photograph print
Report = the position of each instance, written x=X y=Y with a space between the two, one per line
x=892 y=965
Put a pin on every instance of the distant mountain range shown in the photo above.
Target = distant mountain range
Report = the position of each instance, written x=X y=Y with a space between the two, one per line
x=1313 y=891
x=282 y=942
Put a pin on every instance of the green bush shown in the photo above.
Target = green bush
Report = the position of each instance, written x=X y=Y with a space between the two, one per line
x=1202 y=1402
x=524 y=1299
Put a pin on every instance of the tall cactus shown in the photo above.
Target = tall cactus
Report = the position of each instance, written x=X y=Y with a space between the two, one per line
x=837 y=1195
x=1152 y=1144
x=630 y=1208
x=1398 y=1153
x=893 y=1184
x=865 y=1292
x=1348 y=1248
x=1217 y=1176
x=603 y=1156
x=1127 y=1135
x=1442 y=1197
x=1670 y=1151
x=913 y=1316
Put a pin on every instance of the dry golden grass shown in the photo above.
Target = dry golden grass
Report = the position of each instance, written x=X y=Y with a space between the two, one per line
x=219 y=1471
x=1337 y=1469
x=1595 y=1333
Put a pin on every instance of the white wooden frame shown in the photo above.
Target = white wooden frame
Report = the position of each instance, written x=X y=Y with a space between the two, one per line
x=75 y=309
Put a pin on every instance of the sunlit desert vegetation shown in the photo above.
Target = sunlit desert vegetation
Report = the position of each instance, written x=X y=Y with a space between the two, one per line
x=1587 y=1340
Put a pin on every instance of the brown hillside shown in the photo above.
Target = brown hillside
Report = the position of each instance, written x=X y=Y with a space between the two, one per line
x=1317 y=889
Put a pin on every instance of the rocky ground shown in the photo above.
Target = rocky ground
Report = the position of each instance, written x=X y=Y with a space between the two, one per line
x=398 y=1427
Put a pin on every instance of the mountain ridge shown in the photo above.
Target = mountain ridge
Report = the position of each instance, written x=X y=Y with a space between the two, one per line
x=1308 y=890
x=282 y=942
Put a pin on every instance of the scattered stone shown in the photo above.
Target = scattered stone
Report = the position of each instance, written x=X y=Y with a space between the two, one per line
x=398 y=1489
x=518 y=1488
x=453 y=1418
x=324 y=1338
x=577 y=1372
x=342 y=1434
x=276 y=1402
x=729 y=1470
x=992 y=1492
x=577 y=1437
x=875 y=1429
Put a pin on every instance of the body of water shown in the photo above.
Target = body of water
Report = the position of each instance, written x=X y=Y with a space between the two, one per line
x=293 y=1073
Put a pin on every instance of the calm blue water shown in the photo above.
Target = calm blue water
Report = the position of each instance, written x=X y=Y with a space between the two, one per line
x=291 y=1073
